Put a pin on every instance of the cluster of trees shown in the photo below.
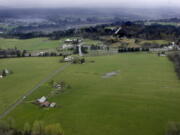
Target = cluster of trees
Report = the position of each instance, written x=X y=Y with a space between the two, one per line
x=8 y=53
x=95 y=32
x=38 y=128
x=124 y=50
x=78 y=60
x=175 y=58
x=46 y=54
x=5 y=72
x=60 y=34
x=152 y=32
x=95 y=47
x=12 y=53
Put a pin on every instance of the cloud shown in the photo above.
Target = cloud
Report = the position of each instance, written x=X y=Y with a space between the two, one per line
x=89 y=3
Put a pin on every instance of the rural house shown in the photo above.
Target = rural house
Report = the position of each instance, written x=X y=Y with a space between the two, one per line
x=42 y=99
x=45 y=104
x=53 y=104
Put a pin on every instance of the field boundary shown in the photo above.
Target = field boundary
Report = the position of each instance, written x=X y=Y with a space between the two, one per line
x=23 y=97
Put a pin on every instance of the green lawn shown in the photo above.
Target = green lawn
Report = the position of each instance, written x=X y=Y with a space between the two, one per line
x=163 y=23
x=131 y=42
x=30 y=44
x=27 y=72
x=159 y=42
x=36 y=44
x=140 y=100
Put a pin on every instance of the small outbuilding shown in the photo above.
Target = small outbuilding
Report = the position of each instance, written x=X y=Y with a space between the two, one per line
x=45 y=104
x=6 y=71
x=53 y=104
x=68 y=59
x=42 y=99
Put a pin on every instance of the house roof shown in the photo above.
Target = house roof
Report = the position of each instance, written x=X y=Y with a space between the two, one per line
x=42 y=99
x=53 y=104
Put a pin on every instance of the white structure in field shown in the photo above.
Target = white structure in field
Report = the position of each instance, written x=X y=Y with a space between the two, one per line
x=52 y=105
x=117 y=31
x=171 y=47
x=80 y=50
x=68 y=59
x=67 y=46
x=6 y=71
x=42 y=99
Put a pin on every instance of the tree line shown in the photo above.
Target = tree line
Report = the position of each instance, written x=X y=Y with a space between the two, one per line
x=124 y=50
x=37 y=128
x=151 y=32
x=175 y=58
x=5 y=53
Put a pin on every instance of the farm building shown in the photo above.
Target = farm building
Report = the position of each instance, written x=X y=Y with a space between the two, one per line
x=67 y=46
x=68 y=59
x=41 y=53
x=42 y=99
x=53 y=104
x=72 y=41
x=45 y=104
x=6 y=71
x=68 y=41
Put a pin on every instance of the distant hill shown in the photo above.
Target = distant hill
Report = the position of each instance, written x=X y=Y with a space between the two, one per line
x=123 y=13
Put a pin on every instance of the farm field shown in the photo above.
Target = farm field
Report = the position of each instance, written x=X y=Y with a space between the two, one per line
x=164 y=23
x=27 y=72
x=141 y=99
x=30 y=44
x=36 y=44
x=134 y=42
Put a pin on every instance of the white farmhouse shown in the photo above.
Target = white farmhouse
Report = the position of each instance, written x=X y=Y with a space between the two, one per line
x=67 y=46
x=42 y=99
x=68 y=59
x=52 y=105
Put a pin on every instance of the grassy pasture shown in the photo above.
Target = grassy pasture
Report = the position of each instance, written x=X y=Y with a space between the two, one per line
x=30 y=44
x=36 y=44
x=27 y=73
x=133 y=42
x=163 y=23
x=140 y=100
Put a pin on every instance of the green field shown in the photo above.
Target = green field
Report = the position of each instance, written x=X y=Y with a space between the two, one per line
x=140 y=100
x=36 y=44
x=27 y=72
x=164 y=23
x=133 y=42
x=30 y=44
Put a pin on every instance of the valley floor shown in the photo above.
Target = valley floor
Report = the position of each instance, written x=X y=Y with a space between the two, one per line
x=141 y=99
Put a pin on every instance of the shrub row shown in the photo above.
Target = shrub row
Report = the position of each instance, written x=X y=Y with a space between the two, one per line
x=122 y=50
x=175 y=58
x=38 y=128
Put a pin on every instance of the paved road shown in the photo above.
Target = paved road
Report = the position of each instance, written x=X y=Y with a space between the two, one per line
x=21 y=99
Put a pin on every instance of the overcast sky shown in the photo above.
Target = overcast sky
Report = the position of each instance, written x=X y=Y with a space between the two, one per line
x=89 y=3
